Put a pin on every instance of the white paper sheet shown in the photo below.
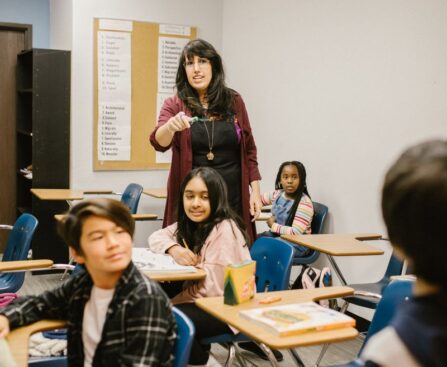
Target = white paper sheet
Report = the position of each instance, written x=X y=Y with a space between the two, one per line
x=169 y=52
x=114 y=96
x=148 y=261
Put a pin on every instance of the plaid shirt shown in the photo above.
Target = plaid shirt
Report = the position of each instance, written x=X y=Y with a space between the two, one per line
x=139 y=329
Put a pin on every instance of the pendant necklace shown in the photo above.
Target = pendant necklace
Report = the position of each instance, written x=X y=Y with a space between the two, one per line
x=210 y=154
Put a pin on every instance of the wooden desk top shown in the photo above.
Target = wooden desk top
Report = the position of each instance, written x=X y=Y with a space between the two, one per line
x=67 y=194
x=58 y=194
x=230 y=314
x=338 y=244
x=263 y=216
x=18 y=338
x=140 y=216
x=156 y=193
x=171 y=277
x=6 y=266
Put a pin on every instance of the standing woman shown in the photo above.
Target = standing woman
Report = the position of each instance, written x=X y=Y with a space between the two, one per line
x=221 y=139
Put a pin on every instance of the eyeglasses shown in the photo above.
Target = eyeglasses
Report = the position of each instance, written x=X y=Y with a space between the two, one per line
x=201 y=64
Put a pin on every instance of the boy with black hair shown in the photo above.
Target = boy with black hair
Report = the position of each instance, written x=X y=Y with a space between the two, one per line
x=414 y=206
x=116 y=316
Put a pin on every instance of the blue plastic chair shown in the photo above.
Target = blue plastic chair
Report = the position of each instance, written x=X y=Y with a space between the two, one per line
x=273 y=258
x=185 y=336
x=394 y=295
x=317 y=225
x=394 y=267
x=17 y=248
x=368 y=294
x=131 y=196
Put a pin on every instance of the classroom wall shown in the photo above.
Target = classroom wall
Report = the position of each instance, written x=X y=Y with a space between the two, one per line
x=205 y=14
x=35 y=12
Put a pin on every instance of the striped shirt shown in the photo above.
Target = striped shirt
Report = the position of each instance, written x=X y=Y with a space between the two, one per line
x=139 y=329
x=303 y=216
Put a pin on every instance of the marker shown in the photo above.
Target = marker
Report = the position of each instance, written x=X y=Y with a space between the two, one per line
x=198 y=119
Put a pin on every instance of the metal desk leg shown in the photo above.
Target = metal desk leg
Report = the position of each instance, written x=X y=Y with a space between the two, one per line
x=296 y=357
x=268 y=352
x=337 y=270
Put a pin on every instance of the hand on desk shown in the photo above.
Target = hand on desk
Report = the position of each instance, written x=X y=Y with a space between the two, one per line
x=4 y=326
x=271 y=220
x=183 y=256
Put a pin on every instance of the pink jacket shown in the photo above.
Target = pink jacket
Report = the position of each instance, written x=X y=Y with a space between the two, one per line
x=225 y=245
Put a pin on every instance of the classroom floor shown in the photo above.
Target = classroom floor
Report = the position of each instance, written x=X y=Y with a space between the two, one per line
x=337 y=353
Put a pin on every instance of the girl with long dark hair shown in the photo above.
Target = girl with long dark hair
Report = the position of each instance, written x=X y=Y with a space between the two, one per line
x=209 y=234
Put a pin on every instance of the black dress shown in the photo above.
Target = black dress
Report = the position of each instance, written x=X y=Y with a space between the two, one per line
x=226 y=150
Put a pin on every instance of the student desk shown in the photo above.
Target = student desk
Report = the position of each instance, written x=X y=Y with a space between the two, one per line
x=156 y=193
x=337 y=245
x=172 y=277
x=18 y=338
x=22 y=265
x=136 y=217
x=67 y=194
x=230 y=315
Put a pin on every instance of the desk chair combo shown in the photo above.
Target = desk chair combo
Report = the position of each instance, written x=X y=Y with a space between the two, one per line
x=369 y=294
x=18 y=340
x=394 y=295
x=17 y=248
x=273 y=258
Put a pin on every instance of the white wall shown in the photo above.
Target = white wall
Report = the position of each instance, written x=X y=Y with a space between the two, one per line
x=342 y=86
x=205 y=14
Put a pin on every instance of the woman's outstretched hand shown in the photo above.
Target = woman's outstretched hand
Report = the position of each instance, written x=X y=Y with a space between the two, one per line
x=178 y=122
x=183 y=256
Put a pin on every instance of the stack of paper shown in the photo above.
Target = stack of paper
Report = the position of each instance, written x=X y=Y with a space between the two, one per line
x=148 y=261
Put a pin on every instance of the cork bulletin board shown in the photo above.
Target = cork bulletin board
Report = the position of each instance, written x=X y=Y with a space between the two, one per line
x=143 y=72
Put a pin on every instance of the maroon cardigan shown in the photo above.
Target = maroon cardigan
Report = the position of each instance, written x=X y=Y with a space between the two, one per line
x=182 y=159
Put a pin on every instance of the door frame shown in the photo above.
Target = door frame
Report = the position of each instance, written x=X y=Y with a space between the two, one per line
x=27 y=29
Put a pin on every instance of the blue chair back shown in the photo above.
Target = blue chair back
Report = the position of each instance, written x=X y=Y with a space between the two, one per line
x=320 y=212
x=131 y=196
x=395 y=294
x=394 y=267
x=17 y=247
x=185 y=336
x=317 y=226
x=273 y=258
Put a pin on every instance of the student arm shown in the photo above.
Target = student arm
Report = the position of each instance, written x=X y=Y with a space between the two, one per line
x=51 y=304
x=223 y=247
x=165 y=241
x=301 y=221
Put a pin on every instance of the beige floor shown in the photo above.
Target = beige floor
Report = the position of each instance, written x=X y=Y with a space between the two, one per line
x=337 y=353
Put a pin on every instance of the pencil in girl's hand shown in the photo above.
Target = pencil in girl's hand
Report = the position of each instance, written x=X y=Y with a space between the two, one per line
x=184 y=243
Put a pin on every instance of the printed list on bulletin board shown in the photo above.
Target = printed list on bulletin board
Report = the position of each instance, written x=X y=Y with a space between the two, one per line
x=135 y=65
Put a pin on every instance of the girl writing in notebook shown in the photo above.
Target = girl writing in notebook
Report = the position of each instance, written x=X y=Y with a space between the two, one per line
x=207 y=234
x=292 y=208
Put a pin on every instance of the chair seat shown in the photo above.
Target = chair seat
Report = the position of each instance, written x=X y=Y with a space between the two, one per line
x=364 y=301
x=226 y=338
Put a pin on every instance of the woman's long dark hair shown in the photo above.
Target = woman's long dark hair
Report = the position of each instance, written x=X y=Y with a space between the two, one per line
x=195 y=234
x=302 y=187
x=219 y=97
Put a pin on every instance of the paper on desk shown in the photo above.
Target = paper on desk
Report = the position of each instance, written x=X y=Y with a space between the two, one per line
x=148 y=261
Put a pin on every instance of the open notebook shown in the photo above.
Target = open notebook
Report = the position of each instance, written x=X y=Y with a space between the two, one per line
x=148 y=261
x=293 y=319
